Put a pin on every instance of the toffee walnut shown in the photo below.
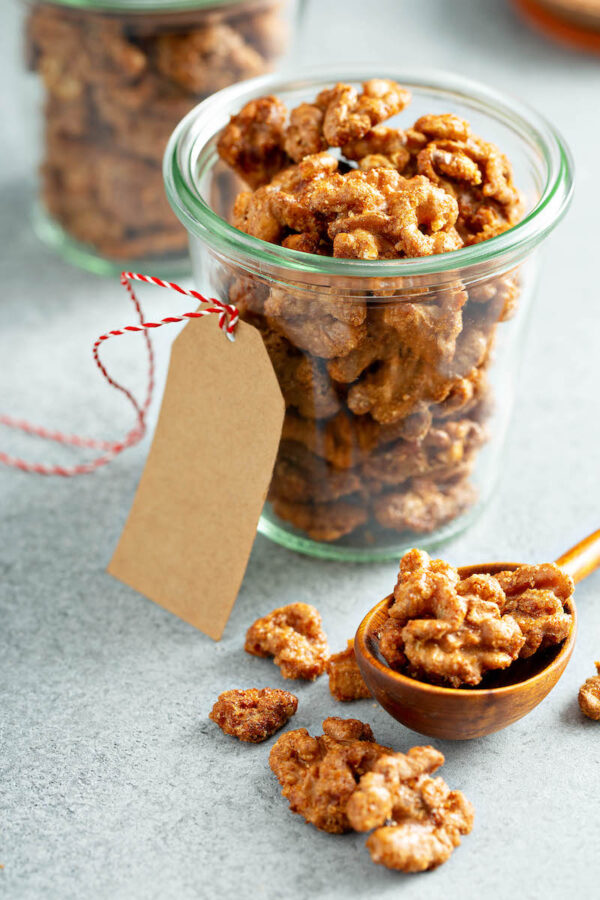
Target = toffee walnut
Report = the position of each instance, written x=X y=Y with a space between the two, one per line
x=253 y=715
x=294 y=636
x=448 y=630
x=370 y=386
x=345 y=680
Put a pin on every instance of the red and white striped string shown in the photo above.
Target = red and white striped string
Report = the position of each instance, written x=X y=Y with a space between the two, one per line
x=228 y=319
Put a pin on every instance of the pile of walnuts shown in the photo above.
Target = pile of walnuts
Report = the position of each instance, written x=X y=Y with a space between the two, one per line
x=441 y=628
x=386 y=381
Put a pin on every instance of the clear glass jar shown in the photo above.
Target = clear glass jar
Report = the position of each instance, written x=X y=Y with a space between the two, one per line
x=117 y=76
x=398 y=375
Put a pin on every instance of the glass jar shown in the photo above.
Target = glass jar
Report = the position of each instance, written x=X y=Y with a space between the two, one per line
x=117 y=77
x=398 y=375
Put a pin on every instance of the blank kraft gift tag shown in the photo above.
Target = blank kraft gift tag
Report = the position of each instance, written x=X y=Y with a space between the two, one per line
x=191 y=527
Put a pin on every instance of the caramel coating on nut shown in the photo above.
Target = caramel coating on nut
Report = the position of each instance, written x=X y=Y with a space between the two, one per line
x=318 y=775
x=294 y=636
x=251 y=142
x=253 y=715
x=322 y=521
x=345 y=679
x=589 y=696
x=535 y=597
x=454 y=630
x=418 y=820
x=348 y=115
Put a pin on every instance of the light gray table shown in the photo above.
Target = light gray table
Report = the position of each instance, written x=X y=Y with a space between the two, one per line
x=113 y=784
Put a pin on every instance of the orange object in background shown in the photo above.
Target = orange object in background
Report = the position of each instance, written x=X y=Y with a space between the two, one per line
x=575 y=23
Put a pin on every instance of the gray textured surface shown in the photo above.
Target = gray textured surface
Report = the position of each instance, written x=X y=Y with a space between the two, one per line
x=113 y=784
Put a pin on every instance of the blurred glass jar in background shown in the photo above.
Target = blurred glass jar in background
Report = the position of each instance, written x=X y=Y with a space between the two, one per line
x=117 y=76
x=398 y=375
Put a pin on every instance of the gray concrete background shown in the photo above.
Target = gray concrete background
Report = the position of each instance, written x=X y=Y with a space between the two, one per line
x=113 y=784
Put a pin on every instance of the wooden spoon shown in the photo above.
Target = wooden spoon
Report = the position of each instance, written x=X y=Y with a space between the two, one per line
x=503 y=696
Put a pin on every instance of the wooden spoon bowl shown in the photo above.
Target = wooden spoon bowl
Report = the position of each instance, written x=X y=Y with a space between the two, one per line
x=503 y=697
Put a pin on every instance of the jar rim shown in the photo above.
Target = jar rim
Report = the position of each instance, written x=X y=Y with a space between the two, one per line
x=512 y=245
x=143 y=6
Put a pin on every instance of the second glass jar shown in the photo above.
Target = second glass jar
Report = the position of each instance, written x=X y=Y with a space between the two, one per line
x=117 y=77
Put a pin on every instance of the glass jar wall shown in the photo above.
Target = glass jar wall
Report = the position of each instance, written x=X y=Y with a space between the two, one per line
x=117 y=77
x=398 y=375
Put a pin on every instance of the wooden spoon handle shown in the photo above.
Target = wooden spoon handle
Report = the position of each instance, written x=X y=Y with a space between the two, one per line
x=583 y=558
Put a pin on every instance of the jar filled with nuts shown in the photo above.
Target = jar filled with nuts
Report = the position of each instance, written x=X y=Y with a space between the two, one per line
x=380 y=230
x=117 y=76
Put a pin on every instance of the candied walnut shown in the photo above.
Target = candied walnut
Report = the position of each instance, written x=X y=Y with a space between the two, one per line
x=300 y=476
x=381 y=146
x=413 y=215
x=252 y=141
x=324 y=336
x=205 y=60
x=347 y=440
x=362 y=245
x=253 y=715
x=345 y=680
x=589 y=696
x=305 y=243
x=318 y=775
x=419 y=372
x=304 y=134
x=333 y=440
x=534 y=596
x=294 y=636
x=443 y=127
x=323 y=521
x=303 y=380
x=348 y=116
x=418 y=820
x=423 y=505
x=466 y=396
x=391 y=643
x=446 y=451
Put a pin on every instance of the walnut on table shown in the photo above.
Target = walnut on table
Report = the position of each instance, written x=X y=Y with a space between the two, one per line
x=418 y=820
x=589 y=696
x=253 y=715
x=318 y=775
x=345 y=680
x=294 y=636
x=452 y=630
